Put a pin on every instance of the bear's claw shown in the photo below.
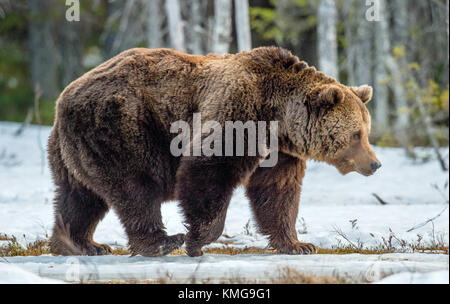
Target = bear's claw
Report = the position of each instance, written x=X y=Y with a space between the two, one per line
x=93 y=248
x=166 y=246
x=173 y=242
x=194 y=252
x=298 y=248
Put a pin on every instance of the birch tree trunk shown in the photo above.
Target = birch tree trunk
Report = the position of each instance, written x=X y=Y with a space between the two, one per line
x=364 y=46
x=43 y=52
x=399 y=39
x=327 y=38
x=358 y=35
x=154 y=24
x=429 y=131
x=195 y=32
x=176 y=31
x=400 y=22
x=125 y=27
x=448 y=29
x=244 y=39
x=70 y=46
x=382 y=49
x=113 y=10
x=71 y=49
x=350 y=33
x=282 y=18
x=222 y=27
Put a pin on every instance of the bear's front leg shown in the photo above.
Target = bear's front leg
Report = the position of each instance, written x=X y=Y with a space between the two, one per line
x=274 y=194
x=204 y=188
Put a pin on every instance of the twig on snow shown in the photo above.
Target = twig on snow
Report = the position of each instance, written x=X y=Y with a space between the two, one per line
x=379 y=199
x=427 y=221
x=342 y=235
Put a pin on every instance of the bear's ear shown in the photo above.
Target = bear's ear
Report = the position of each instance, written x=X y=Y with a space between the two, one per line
x=299 y=66
x=364 y=92
x=329 y=96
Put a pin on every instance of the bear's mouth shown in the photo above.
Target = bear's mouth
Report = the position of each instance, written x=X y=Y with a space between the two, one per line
x=350 y=166
x=363 y=171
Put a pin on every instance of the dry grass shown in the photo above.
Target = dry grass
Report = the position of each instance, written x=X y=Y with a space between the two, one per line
x=286 y=276
x=292 y=276
x=351 y=250
x=36 y=248
x=120 y=251
x=228 y=250
x=14 y=248
x=431 y=249
x=4 y=237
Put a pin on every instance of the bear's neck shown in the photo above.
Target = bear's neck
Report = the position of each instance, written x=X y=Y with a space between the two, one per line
x=299 y=120
x=296 y=129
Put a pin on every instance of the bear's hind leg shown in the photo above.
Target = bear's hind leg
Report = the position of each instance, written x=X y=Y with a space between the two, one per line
x=138 y=205
x=145 y=230
x=77 y=213
x=77 y=209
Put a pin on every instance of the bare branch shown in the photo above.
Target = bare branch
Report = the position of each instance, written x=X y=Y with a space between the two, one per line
x=427 y=221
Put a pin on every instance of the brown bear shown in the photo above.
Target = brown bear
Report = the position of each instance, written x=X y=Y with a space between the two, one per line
x=109 y=147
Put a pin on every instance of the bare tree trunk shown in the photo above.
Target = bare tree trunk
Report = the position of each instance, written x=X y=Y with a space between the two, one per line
x=176 y=31
x=448 y=38
x=131 y=26
x=327 y=38
x=350 y=50
x=154 y=24
x=429 y=131
x=426 y=120
x=358 y=35
x=382 y=49
x=244 y=39
x=281 y=16
x=210 y=27
x=399 y=39
x=113 y=10
x=222 y=26
x=125 y=27
x=71 y=48
x=400 y=97
x=43 y=53
x=196 y=33
x=399 y=12
x=364 y=47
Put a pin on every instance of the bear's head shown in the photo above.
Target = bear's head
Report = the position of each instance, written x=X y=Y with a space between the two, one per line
x=331 y=123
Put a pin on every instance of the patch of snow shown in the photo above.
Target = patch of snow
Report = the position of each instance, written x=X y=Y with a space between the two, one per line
x=216 y=268
x=13 y=274
x=434 y=277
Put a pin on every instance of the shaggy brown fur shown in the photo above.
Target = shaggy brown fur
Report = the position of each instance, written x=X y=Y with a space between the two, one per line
x=110 y=145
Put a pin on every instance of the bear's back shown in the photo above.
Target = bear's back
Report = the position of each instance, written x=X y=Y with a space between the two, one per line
x=161 y=81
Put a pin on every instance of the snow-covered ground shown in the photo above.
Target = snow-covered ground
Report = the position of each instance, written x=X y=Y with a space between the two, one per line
x=334 y=211
x=217 y=268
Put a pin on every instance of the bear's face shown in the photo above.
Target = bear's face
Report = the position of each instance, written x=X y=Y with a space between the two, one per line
x=341 y=136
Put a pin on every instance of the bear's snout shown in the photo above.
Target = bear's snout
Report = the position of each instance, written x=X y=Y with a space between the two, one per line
x=375 y=166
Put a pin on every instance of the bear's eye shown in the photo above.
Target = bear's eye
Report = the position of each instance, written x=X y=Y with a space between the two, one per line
x=357 y=136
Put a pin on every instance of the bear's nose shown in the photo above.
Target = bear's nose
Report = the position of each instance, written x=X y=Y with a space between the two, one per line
x=375 y=166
